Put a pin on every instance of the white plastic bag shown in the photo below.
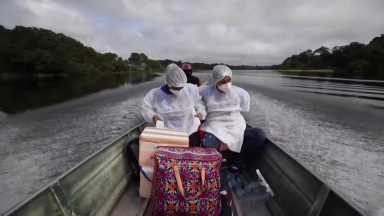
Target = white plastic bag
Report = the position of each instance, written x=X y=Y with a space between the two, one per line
x=259 y=194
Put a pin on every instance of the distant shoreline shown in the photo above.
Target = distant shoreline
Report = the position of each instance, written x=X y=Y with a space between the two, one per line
x=305 y=70
x=200 y=70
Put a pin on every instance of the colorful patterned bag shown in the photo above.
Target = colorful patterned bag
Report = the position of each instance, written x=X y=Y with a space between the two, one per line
x=186 y=181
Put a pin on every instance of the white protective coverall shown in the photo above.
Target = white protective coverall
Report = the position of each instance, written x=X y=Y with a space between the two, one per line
x=224 y=119
x=177 y=112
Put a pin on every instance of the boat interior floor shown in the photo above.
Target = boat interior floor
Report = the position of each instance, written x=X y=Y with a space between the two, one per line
x=131 y=204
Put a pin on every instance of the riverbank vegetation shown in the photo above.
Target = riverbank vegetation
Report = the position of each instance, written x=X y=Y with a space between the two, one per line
x=353 y=60
x=306 y=70
x=204 y=66
x=40 y=52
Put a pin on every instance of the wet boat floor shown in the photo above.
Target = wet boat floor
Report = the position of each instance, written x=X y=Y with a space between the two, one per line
x=131 y=204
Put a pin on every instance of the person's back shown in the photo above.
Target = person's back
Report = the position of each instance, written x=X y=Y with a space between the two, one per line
x=193 y=80
x=187 y=68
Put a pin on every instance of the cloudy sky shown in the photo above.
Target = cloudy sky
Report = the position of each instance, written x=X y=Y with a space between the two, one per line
x=236 y=32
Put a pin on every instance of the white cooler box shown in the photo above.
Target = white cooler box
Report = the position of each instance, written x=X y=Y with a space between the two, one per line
x=145 y=185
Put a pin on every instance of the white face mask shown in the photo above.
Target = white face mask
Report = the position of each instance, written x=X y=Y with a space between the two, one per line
x=175 y=92
x=225 y=88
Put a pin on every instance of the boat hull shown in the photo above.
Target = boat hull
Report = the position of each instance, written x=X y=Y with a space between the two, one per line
x=96 y=185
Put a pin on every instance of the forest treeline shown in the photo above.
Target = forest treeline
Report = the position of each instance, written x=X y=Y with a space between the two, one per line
x=39 y=51
x=205 y=66
x=30 y=50
x=353 y=60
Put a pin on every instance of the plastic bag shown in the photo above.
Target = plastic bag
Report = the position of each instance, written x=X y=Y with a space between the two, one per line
x=257 y=193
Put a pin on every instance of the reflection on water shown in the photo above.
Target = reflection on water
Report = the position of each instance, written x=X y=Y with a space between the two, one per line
x=30 y=93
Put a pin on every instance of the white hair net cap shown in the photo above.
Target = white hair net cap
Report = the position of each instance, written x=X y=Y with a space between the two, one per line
x=221 y=71
x=174 y=76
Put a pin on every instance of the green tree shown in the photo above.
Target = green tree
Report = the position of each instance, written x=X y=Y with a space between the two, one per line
x=135 y=58
x=143 y=57
x=154 y=64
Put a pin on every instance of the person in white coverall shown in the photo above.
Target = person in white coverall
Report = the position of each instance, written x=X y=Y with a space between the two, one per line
x=177 y=103
x=225 y=127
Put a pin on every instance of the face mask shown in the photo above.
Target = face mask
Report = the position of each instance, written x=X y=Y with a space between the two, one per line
x=225 y=88
x=175 y=92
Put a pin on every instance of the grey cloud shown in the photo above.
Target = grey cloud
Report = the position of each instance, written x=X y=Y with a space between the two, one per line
x=232 y=31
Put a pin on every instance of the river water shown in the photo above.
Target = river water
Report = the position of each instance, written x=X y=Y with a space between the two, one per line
x=335 y=127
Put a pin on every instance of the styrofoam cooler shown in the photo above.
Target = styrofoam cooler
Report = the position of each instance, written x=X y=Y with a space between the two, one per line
x=145 y=185
x=152 y=137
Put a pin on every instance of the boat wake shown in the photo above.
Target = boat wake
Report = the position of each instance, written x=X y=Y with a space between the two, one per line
x=353 y=163
x=38 y=152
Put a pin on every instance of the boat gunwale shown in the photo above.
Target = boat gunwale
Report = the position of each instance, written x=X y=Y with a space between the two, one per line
x=50 y=185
